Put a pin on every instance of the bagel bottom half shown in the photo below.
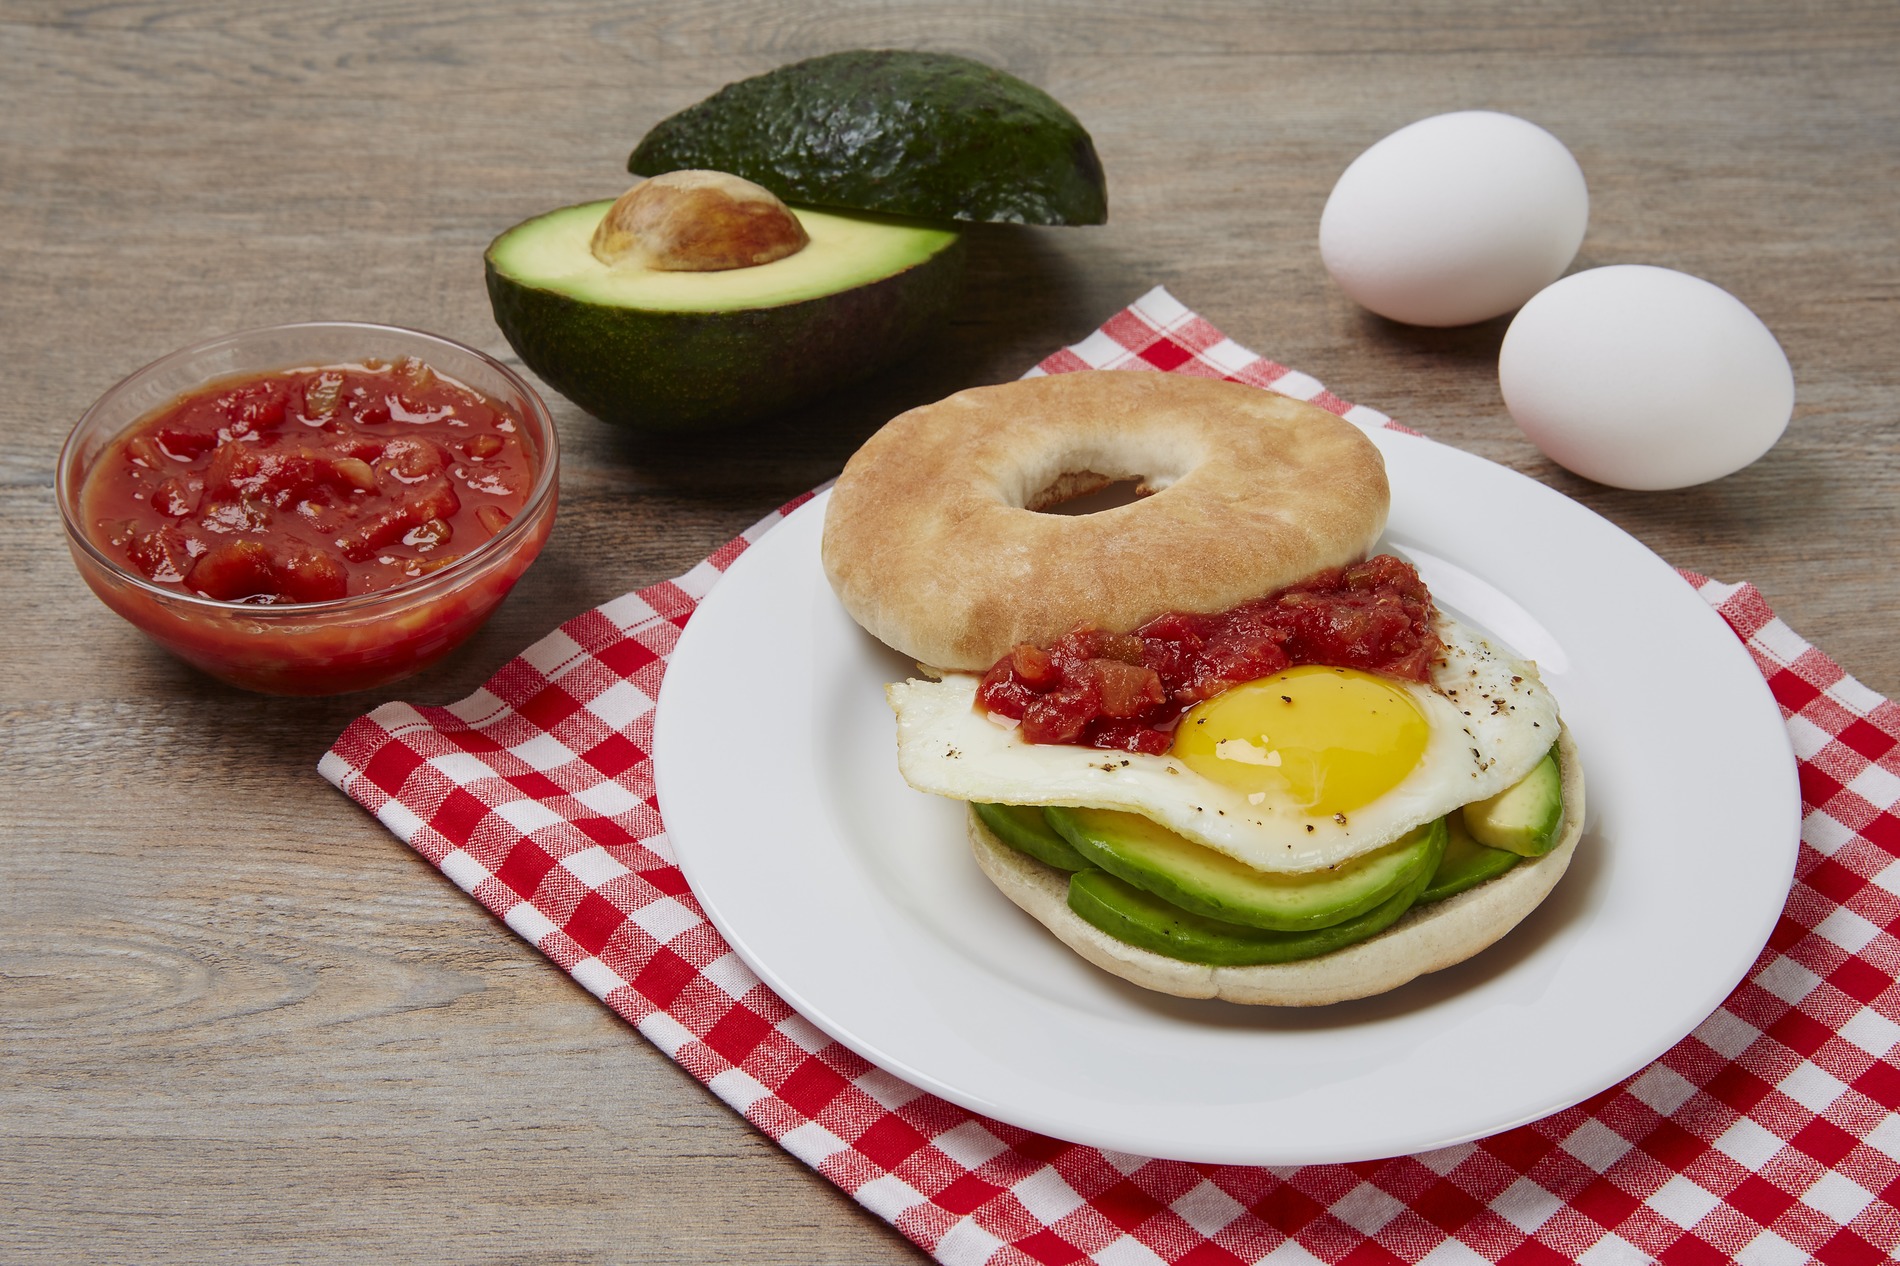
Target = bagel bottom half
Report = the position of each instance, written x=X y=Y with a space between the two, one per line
x=1426 y=939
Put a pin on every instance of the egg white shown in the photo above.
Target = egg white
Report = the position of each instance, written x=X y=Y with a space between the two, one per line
x=1490 y=717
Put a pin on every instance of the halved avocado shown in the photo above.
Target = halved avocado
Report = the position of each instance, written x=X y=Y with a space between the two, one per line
x=908 y=133
x=673 y=350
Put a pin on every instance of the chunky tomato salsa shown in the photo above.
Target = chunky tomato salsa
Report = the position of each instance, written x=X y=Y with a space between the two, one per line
x=309 y=485
x=1127 y=691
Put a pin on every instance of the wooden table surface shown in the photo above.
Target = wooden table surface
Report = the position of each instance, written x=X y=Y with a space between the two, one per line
x=240 y=1020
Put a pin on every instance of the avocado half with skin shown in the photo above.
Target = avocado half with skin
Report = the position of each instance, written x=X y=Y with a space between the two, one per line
x=661 y=349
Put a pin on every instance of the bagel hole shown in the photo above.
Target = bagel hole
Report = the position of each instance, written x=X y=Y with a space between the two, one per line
x=1085 y=492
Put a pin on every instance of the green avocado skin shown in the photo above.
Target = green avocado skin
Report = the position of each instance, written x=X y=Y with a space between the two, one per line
x=918 y=134
x=685 y=371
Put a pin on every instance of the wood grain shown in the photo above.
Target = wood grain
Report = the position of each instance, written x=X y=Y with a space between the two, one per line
x=241 y=1022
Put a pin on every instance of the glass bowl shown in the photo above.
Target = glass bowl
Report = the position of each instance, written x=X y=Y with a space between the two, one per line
x=313 y=648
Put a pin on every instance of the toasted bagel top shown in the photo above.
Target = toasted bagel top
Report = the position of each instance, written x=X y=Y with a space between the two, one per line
x=934 y=540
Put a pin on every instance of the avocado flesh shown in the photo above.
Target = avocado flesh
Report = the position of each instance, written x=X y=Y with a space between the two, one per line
x=1525 y=817
x=553 y=251
x=1146 y=921
x=909 y=133
x=1023 y=828
x=688 y=350
x=1203 y=881
x=1466 y=863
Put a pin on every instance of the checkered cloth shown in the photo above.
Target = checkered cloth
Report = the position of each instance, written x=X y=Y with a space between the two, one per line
x=1767 y=1136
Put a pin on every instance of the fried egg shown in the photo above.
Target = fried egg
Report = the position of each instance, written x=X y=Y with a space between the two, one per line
x=1298 y=771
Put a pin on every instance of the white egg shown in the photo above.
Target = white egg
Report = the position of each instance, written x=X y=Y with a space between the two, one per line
x=1490 y=721
x=1642 y=377
x=1454 y=219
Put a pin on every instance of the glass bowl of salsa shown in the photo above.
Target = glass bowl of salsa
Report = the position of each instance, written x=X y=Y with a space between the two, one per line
x=310 y=509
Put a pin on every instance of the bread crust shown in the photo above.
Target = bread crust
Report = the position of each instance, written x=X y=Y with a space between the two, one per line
x=1426 y=939
x=932 y=546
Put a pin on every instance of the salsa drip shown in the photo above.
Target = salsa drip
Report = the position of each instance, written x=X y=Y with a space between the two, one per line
x=309 y=485
x=1127 y=691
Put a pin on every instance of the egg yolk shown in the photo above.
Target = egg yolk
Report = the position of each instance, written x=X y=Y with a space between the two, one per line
x=1324 y=740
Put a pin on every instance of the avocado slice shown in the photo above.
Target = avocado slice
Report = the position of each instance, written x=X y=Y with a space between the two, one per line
x=1142 y=919
x=1466 y=863
x=663 y=350
x=1196 y=878
x=1523 y=818
x=906 y=133
x=1023 y=828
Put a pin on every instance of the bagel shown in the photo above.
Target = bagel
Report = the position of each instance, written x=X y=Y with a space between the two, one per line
x=934 y=542
x=1427 y=938
x=1223 y=703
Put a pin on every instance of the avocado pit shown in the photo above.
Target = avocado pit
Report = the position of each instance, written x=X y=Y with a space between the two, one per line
x=697 y=221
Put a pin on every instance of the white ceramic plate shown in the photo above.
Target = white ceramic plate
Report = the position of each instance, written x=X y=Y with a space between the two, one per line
x=856 y=898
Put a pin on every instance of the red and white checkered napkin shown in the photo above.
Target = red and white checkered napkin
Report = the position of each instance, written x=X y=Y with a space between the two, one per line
x=1767 y=1136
